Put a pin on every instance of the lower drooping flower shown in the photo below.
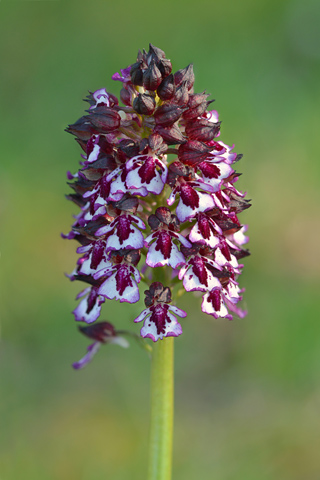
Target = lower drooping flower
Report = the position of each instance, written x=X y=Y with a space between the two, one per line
x=102 y=333
x=127 y=174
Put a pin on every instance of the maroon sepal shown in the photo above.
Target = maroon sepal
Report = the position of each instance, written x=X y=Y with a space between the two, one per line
x=129 y=147
x=81 y=185
x=104 y=119
x=193 y=152
x=81 y=129
x=167 y=114
x=171 y=135
x=202 y=130
x=100 y=331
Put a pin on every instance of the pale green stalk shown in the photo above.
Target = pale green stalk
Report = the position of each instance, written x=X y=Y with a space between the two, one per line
x=161 y=429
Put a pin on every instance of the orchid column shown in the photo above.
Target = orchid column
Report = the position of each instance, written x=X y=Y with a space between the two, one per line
x=146 y=219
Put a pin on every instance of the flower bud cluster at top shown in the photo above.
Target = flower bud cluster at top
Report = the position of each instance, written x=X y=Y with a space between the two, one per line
x=188 y=207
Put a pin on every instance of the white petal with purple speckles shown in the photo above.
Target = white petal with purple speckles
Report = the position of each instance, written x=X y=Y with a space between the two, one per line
x=134 y=181
x=135 y=241
x=177 y=311
x=182 y=239
x=196 y=237
x=222 y=261
x=216 y=310
x=155 y=258
x=94 y=154
x=142 y=315
x=104 y=271
x=192 y=282
x=185 y=212
x=224 y=169
x=239 y=237
x=81 y=314
x=110 y=288
x=85 y=268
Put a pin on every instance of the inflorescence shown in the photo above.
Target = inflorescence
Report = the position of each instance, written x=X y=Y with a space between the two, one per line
x=186 y=203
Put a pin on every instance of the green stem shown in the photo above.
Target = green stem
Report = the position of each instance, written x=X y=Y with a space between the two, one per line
x=161 y=430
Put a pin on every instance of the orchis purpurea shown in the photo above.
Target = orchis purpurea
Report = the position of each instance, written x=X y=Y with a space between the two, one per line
x=145 y=218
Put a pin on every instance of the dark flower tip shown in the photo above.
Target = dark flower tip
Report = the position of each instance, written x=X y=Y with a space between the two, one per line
x=157 y=293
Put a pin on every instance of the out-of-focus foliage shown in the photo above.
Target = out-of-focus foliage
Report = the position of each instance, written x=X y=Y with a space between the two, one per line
x=247 y=391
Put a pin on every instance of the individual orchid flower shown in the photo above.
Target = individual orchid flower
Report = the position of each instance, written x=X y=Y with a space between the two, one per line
x=159 y=319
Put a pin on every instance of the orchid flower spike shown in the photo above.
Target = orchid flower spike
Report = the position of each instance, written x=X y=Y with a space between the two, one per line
x=145 y=218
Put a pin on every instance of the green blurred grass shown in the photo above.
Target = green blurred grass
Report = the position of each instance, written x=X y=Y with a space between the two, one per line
x=247 y=391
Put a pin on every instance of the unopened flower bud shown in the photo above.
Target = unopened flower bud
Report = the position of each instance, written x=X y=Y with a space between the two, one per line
x=167 y=88
x=185 y=75
x=165 y=67
x=155 y=52
x=144 y=104
x=136 y=74
x=152 y=77
x=181 y=96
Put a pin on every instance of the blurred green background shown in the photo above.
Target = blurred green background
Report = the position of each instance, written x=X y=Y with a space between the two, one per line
x=247 y=391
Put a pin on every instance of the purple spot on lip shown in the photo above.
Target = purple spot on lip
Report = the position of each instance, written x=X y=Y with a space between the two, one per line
x=189 y=196
x=123 y=279
x=164 y=244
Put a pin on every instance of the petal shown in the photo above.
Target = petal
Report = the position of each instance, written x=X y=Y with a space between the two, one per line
x=142 y=315
x=104 y=271
x=120 y=286
x=177 y=311
x=157 y=258
x=153 y=184
x=199 y=277
x=85 y=312
x=83 y=293
x=182 y=239
x=213 y=174
x=192 y=206
x=134 y=240
x=231 y=306
x=202 y=232
x=138 y=221
x=91 y=351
